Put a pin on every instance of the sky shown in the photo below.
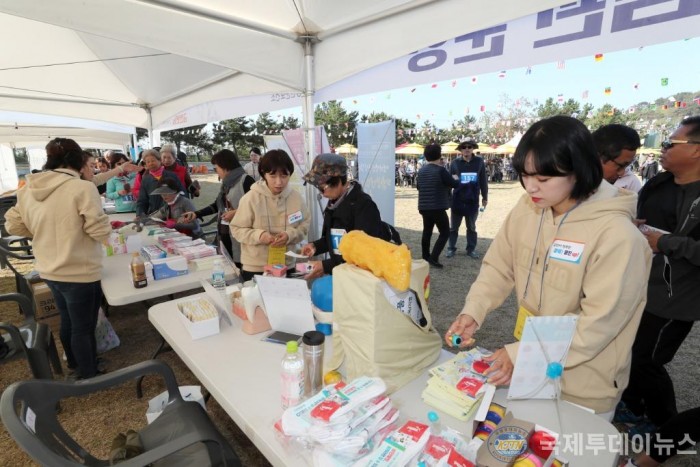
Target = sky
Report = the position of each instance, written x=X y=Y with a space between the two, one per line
x=645 y=67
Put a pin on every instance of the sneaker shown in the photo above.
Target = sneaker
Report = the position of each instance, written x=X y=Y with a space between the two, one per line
x=435 y=264
x=641 y=429
x=625 y=415
x=449 y=254
x=473 y=254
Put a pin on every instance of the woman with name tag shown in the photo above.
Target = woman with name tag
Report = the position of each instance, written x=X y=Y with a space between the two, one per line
x=119 y=188
x=271 y=218
x=569 y=247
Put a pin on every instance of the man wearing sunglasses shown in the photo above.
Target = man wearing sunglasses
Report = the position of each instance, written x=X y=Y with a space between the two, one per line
x=669 y=204
x=617 y=147
x=649 y=169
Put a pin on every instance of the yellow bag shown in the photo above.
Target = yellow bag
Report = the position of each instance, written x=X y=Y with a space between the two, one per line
x=374 y=338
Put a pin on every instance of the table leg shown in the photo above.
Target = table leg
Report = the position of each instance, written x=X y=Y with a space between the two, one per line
x=162 y=347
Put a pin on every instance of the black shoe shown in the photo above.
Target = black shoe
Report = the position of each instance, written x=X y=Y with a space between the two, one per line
x=435 y=264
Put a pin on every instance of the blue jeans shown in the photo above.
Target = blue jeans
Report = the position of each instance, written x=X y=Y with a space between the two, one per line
x=455 y=222
x=78 y=304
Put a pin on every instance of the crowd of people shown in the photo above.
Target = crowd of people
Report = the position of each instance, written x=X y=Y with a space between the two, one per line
x=628 y=268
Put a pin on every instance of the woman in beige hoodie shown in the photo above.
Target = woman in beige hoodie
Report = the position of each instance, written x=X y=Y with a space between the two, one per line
x=63 y=216
x=569 y=248
x=271 y=218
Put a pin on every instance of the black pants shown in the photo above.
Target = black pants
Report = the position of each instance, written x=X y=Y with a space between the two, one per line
x=650 y=388
x=431 y=218
x=673 y=436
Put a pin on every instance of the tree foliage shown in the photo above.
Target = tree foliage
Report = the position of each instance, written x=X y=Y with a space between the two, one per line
x=340 y=124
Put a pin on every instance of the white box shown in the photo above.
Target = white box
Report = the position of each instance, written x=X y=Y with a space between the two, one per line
x=171 y=266
x=158 y=403
x=200 y=329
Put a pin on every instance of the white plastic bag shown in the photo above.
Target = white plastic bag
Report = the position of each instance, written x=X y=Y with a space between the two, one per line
x=157 y=404
x=105 y=336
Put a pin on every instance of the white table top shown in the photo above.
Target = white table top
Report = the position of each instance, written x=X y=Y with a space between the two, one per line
x=242 y=373
x=118 y=288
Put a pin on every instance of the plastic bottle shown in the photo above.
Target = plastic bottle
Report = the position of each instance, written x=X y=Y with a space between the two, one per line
x=218 y=279
x=435 y=425
x=138 y=271
x=292 y=376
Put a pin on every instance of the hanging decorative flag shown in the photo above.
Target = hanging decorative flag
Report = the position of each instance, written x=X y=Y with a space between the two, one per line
x=664 y=107
x=631 y=110
x=517 y=103
x=413 y=89
x=502 y=74
x=664 y=81
x=354 y=101
x=584 y=94
x=466 y=111
x=474 y=79
x=697 y=100
x=598 y=57
x=454 y=83
x=684 y=105
x=608 y=91
x=611 y=111
x=590 y=114
x=561 y=64
x=672 y=99
x=482 y=108
x=418 y=116
x=434 y=85
x=677 y=104
x=636 y=86
x=528 y=70
x=560 y=97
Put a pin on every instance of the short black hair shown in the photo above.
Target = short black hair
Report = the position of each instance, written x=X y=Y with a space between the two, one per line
x=276 y=160
x=611 y=139
x=226 y=159
x=64 y=153
x=256 y=151
x=561 y=146
x=694 y=124
x=432 y=152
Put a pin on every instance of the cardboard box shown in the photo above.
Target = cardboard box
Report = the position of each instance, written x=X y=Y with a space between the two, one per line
x=171 y=266
x=45 y=310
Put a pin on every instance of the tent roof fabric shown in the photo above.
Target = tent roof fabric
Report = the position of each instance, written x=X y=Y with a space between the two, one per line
x=63 y=58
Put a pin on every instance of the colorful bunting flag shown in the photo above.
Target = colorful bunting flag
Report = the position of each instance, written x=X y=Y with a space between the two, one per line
x=664 y=107
x=636 y=86
x=482 y=108
x=561 y=64
x=664 y=81
x=608 y=91
x=434 y=85
x=697 y=100
x=528 y=71
x=474 y=79
x=502 y=74
x=413 y=89
x=677 y=104
x=684 y=105
x=598 y=57
x=454 y=83
x=560 y=97
x=584 y=94
x=672 y=99
x=354 y=101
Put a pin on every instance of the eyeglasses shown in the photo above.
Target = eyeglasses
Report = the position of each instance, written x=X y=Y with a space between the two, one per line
x=669 y=143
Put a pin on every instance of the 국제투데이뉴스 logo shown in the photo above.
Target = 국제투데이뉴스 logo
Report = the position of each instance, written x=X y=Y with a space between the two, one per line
x=507 y=443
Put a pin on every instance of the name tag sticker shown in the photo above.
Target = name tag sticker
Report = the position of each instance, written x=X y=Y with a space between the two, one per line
x=336 y=236
x=565 y=250
x=295 y=217
x=467 y=177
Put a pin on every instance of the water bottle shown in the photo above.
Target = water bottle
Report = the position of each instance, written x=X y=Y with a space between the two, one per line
x=292 y=376
x=218 y=279
x=313 y=362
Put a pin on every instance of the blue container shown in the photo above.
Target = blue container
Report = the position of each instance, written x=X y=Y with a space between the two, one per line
x=322 y=293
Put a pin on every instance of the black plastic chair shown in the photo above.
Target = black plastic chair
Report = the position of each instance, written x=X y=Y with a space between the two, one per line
x=6 y=202
x=17 y=248
x=32 y=339
x=182 y=435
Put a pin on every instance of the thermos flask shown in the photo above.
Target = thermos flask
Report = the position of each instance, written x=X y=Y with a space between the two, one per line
x=313 y=362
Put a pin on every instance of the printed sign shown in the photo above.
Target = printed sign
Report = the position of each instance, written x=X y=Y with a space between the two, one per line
x=564 y=250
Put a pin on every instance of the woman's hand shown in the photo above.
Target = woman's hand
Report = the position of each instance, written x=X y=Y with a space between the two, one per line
x=226 y=216
x=122 y=192
x=266 y=238
x=309 y=250
x=501 y=369
x=280 y=239
x=316 y=270
x=188 y=217
x=465 y=327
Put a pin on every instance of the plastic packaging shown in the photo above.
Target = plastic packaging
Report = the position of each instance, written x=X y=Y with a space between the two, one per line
x=138 y=271
x=218 y=279
x=313 y=361
x=292 y=376
x=435 y=424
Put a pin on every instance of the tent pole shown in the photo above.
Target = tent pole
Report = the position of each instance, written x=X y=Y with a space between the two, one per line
x=309 y=130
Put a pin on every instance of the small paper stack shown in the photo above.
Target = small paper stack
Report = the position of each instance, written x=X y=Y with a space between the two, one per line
x=457 y=386
x=197 y=251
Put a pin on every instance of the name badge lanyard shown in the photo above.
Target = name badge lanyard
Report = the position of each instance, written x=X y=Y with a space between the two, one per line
x=546 y=257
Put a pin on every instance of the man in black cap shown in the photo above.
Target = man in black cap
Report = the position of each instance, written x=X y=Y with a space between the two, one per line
x=471 y=172
x=349 y=208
